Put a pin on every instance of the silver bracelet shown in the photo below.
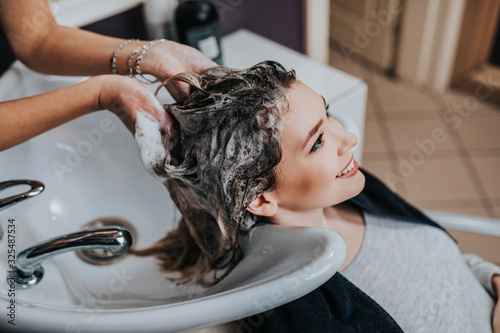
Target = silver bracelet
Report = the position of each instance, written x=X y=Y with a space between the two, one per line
x=131 y=59
x=146 y=48
x=113 y=56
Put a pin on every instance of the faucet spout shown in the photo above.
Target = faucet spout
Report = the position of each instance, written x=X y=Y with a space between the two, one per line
x=36 y=188
x=114 y=240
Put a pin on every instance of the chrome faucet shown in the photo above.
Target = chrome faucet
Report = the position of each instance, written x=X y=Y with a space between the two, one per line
x=100 y=245
x=36 y=188
x=112 y=242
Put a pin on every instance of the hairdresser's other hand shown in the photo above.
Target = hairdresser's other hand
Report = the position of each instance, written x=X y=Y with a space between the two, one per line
x=170 y=58
x=125 y=97
x=495 y=280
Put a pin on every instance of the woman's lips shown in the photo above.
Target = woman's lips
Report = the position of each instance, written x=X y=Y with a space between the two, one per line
x=353 y=169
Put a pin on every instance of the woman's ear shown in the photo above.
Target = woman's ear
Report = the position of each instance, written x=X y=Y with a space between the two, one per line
x=264 y=205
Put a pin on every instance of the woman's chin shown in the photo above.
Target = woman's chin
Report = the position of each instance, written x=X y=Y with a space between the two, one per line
x=349 y=189
x=356 y=185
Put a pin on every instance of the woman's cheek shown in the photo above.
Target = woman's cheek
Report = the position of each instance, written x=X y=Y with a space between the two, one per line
x=306 y=183
x=331 y=167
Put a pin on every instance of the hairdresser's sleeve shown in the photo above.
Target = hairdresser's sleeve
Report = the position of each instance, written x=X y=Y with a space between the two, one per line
x=483 y=271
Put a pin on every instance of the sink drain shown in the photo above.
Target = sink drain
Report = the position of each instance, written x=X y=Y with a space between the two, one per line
x=100 y=256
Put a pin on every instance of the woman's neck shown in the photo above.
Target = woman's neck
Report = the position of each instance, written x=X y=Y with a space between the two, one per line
x=345 y=219
x=329 y=217
x=308 y=218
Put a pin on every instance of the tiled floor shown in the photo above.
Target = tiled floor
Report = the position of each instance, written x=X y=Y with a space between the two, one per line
x=440 y=152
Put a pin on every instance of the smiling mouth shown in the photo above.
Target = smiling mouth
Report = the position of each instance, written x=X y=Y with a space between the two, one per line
x=347 y=169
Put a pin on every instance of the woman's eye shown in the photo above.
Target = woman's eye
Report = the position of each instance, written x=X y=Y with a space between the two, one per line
x=317 y=144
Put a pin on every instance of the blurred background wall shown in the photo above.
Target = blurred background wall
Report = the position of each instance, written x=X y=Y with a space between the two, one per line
x=278 y=20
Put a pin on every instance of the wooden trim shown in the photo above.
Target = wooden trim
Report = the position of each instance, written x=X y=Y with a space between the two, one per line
x=317 y=18
x=429 y=28
x=476 y=36
x=448 y=49
x=428 y=40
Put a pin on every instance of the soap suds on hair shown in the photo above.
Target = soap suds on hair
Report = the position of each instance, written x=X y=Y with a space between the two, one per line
x=149 y=140
x=226 y=154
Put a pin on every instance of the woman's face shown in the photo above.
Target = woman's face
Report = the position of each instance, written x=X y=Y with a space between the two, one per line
x=316 y=150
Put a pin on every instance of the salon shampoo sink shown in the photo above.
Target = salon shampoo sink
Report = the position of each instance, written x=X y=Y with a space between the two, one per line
x=91 y=170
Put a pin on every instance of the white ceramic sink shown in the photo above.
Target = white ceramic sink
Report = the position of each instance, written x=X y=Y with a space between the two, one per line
x=90 y=168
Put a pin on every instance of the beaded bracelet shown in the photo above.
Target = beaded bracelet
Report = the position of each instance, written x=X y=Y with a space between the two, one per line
x=146 y=48
x=113 y=56
x=131 y=59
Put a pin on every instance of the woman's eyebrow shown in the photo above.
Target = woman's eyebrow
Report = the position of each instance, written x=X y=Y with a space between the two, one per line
x=312 y=132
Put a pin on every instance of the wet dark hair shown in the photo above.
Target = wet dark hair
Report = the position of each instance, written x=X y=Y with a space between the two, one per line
x=229 y=145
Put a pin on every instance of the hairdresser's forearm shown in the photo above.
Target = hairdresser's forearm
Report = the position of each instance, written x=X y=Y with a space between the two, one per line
x=69 y=51
x=25 y=118
x=44 y=46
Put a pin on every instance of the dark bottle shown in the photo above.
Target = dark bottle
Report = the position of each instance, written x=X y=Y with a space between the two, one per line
x=198 y=25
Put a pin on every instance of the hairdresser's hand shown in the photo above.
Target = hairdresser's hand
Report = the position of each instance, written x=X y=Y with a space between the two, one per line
x=125 y=97
x=495 y=280
x=169 y=58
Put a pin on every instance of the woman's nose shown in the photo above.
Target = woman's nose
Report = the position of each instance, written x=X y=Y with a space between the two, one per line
x=347 y=142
